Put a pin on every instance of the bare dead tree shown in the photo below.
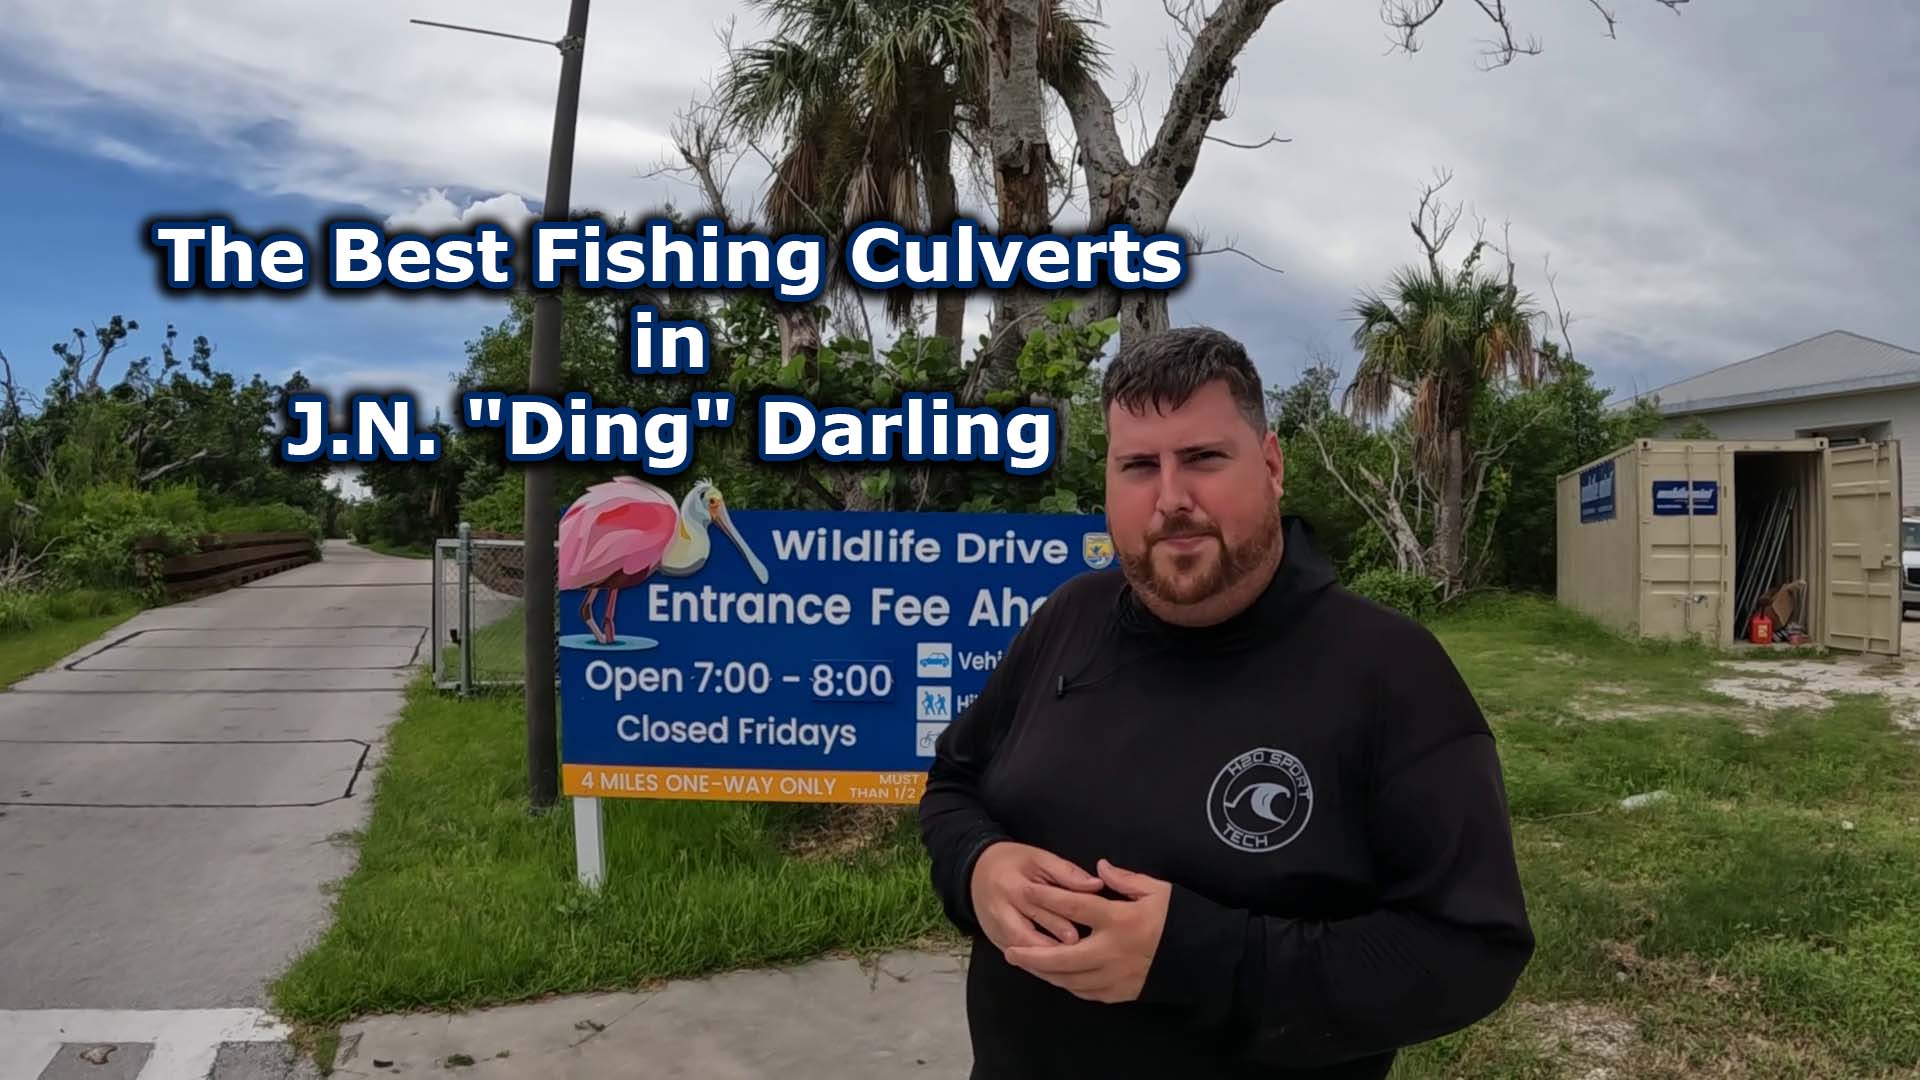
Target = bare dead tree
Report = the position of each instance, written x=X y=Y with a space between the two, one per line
x=9 y=405
x=1384 y=500
x=1142 y=192
x=18 y=569
x=1433 y=224
x=1023 y=162
x=1562 y=317
x=106 y=339
x=707 y=156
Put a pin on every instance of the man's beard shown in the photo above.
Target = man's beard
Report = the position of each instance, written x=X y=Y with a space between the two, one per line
x=1232 y=566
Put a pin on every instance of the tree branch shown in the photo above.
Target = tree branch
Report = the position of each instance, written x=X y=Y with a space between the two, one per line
x=1505 y=49
x=165 y=469
x=1407 y=17
x=1268 y=141
x=1607 y=15
x=1231 y=250
x=1326 y=460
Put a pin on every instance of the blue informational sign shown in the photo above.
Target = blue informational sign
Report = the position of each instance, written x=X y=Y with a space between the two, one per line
x=1670 y=497
x=711 y=653
x=1596 y=493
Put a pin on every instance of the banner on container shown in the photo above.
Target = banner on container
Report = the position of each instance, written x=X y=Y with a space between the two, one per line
x=1596 y=493
x=1670 y=497
x=785 y=655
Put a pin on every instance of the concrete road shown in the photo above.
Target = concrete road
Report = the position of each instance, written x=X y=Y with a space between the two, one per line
x=903 y=1015
x=174 y=797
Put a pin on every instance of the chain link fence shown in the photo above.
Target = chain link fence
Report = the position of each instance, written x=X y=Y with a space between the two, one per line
x=479 y=612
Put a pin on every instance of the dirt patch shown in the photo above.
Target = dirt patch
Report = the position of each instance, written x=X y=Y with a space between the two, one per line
x=1587 y=1041
x=837 y=832
x=1808 y=685
x=1601 y=703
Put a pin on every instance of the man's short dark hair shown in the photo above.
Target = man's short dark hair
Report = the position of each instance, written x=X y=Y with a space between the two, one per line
x=1164 y=369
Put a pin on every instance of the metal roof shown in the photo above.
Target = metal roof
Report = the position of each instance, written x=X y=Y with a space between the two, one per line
x=1836 y=362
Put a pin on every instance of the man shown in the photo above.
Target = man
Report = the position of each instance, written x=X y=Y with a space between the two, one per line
x=1213 y=815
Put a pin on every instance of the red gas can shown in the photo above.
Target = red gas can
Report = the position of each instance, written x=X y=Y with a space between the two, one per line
x=1760 y=629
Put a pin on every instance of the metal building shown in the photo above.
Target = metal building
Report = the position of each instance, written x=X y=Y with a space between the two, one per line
x=1682 y=539
x=1839 y=386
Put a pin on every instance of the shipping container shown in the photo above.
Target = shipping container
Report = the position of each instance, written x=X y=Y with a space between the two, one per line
x=1685 y=539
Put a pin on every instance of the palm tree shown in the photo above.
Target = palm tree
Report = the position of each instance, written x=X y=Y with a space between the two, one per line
x=1435 y=341
x=869 y=98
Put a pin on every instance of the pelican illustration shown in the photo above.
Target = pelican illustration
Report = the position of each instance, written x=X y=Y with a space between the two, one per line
x=1261 y=802
x=620 y=533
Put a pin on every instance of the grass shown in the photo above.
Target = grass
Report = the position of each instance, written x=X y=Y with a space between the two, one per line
x=1738 y=929
x=499 y=648
x=463 y=898
x=37 y=629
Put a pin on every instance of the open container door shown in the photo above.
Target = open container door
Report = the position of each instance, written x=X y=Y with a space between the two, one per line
x=1863 y=548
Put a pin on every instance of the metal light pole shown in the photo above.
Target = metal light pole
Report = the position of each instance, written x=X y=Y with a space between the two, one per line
x=540 y=525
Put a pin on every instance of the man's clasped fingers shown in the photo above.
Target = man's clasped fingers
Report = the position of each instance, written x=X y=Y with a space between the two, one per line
x=1082 y=908
x=1088 y=969
x=1061 y=928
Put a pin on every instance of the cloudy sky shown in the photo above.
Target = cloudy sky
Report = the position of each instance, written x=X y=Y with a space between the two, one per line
x=1708 y=186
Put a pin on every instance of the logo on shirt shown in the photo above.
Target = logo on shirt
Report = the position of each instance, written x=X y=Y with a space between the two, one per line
x=1261 y=800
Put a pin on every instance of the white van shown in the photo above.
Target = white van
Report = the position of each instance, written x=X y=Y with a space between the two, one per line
x=1909 y=565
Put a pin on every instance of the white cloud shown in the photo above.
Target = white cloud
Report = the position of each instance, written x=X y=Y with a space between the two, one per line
x=347 y=482
x=437 y=213
x=350 y=102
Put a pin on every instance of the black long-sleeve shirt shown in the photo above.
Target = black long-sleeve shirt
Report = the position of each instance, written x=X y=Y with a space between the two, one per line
x=1313 y=778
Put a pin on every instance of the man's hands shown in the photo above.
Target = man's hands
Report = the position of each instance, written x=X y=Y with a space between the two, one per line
x=1003 y=901
x=1111 y=963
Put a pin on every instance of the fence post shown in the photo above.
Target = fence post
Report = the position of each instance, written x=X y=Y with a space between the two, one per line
x=436 y=618
x=466 y=608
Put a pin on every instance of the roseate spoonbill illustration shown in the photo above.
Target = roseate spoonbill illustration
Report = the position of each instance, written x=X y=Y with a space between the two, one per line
x=620 y=533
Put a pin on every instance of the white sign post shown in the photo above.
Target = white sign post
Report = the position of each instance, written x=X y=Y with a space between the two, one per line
x=589 y=842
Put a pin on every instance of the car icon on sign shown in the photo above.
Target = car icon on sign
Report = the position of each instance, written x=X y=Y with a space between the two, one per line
x=934 y=657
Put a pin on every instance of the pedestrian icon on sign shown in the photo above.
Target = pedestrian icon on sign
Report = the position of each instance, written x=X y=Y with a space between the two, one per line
x=934 y=703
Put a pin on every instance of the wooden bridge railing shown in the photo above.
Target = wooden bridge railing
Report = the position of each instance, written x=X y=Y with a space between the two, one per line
x=227 y=560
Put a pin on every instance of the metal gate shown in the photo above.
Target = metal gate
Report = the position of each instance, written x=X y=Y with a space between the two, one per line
x=479 y=622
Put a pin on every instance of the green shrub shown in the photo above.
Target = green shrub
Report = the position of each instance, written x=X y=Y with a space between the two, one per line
x=93 y=533
x=272 y=517
x=1412 y=594
x=22 y=610
x=501 y=509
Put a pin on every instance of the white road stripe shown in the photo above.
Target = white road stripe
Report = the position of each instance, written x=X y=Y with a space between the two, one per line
x=185 y=1041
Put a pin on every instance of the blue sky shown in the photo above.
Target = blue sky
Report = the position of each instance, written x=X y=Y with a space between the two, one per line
x=79 y=256
x=1706 y=186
